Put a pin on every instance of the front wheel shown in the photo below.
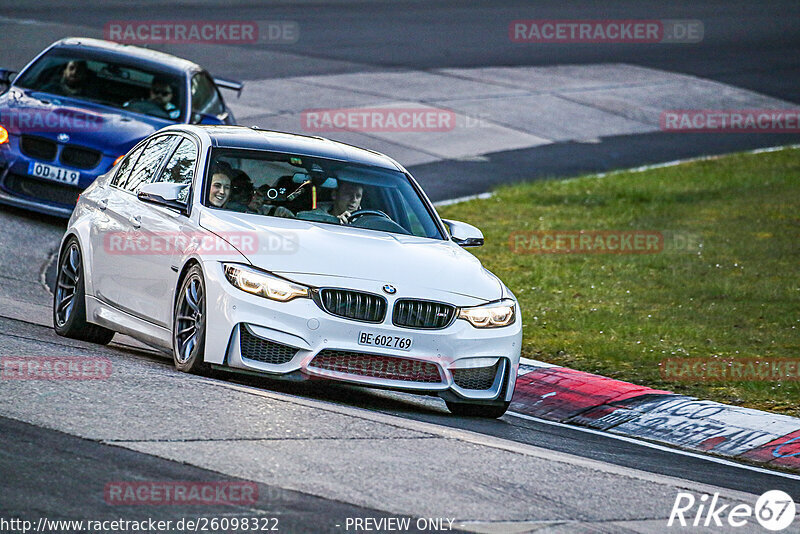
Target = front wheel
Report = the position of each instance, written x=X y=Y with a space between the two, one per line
x=69 y=299
x=489 y=411
x=189 y=324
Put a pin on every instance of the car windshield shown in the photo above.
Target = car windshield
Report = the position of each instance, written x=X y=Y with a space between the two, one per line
x=97 y=79
x=319 y=190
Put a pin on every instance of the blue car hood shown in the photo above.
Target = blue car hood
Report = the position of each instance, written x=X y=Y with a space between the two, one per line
x=109 y=130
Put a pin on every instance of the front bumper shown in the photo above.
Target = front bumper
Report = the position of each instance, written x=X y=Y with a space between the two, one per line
x=458 y=362
x=18 y=188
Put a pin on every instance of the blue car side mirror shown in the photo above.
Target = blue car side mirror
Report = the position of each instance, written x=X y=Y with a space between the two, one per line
x=204 y=118
x=7 y=76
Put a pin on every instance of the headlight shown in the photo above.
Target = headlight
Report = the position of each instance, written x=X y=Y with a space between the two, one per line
x=3 y=135
x=490 y=315
x=262 y=284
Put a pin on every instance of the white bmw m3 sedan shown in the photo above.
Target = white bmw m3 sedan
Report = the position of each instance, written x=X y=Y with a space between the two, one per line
x=288 y=256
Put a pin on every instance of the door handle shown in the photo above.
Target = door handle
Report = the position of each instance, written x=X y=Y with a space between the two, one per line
x=102 y=203
x=136 y=221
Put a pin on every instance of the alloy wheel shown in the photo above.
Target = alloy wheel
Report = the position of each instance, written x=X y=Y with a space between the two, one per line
x=190 y=320
x=67 y=284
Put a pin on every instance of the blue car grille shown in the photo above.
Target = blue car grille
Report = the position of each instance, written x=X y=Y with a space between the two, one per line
x=38 y=147
x=71 y=155
x=80 y=158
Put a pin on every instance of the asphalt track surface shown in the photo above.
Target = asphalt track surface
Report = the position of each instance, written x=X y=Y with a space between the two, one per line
x=56 y=468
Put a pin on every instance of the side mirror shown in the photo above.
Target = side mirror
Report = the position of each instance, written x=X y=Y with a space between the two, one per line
x=7 y=76
x=233 y=85
x=464 y=234
x=204 y=118
x=166 y=194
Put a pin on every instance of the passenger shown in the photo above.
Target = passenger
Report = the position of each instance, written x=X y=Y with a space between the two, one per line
x=72 y=81
x=160 y=102
x=256 y=204
x=241 y=191
x=220 y=190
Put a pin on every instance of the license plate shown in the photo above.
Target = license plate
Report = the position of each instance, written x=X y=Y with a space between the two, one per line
x=383 y=341
x=51 y=172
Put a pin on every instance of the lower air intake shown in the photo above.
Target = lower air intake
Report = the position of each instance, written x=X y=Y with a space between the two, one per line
x=264 y=350
x=376 y=366
x=477 y=378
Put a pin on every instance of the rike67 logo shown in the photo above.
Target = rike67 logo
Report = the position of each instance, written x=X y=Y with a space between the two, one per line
x=774 y=510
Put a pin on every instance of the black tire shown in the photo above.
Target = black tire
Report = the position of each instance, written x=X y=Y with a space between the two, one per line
x=189 y=324
x=489 y=411
x=69 y=299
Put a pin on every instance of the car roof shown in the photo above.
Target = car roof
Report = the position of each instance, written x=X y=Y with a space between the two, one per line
x=251 y=138
x=133 y=54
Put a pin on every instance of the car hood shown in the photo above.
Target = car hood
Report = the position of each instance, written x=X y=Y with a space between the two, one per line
x=113 y=131
x=318 y=254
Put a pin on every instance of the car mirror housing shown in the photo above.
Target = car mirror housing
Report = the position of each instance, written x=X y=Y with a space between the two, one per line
x=164 y=194
x=464 y=234
x=233 y=85
x=204 y=118
x=7 y=76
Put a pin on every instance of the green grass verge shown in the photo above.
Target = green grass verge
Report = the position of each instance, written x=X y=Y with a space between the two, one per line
x=733 y=293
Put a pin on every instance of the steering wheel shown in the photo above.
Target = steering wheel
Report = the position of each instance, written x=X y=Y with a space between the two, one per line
x=361 y=213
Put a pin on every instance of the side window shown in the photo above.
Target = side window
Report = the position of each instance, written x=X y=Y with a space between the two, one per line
x=180 y=167
x=149 y=161
x=124 y=171
x=205 y=97
x=412 y=222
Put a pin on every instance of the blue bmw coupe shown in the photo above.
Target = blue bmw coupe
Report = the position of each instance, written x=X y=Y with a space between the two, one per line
x=81 y=104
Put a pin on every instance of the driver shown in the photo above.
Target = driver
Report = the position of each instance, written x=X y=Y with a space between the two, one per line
x=160 y=102
x=346 y=201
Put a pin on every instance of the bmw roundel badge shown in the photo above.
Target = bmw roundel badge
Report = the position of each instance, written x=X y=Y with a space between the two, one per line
x=389 y=289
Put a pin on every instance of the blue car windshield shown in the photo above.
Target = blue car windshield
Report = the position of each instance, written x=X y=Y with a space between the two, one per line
x=79 y=75
x=320 y=190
